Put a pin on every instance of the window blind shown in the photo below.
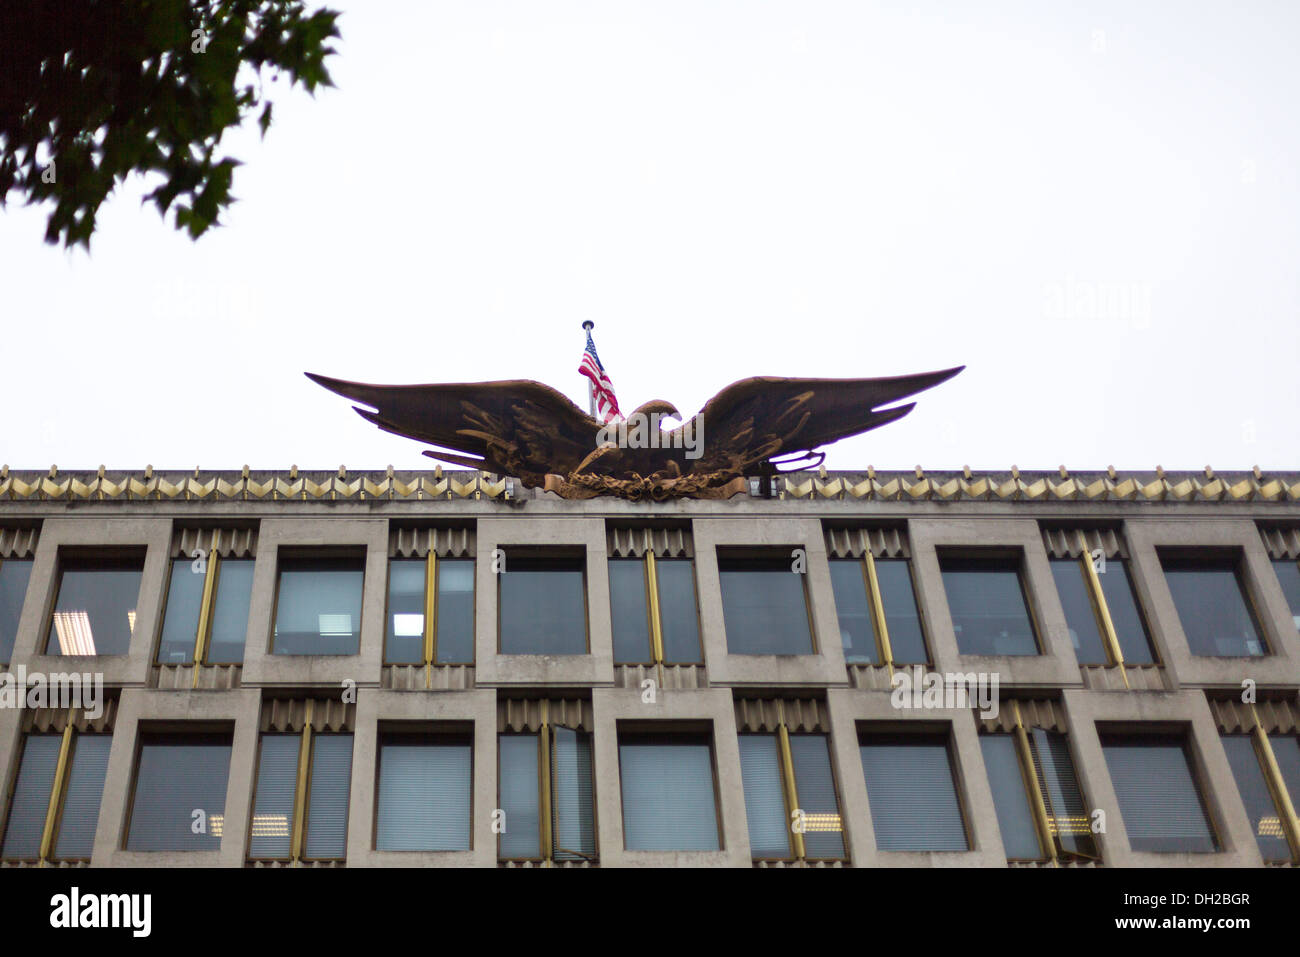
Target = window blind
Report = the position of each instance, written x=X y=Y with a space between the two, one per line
x=424 y=794
x=764 y=607
x=31 y=799
x=914 y=805
x=518 y=796
x=277 y=781
x=572 y=805
x=823 y=836
x=760 y=769
x=1158 y=795
x=327 y=809
x=177 y=775
x=669 y=802
x=82 y=796
x=1067 y=812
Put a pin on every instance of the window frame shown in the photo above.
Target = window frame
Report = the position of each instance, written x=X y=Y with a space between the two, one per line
x=1278 y=791
x=878 y=616
x=790 y=793
x=207 y=614
x=546 y=837
x=728 y=554
x=1182 y=738
x=204 y=734
x=927 y=735
x=96 y=558
x=1212 y=559
x=654 y=605
x=22 y=599
x=309 y=555
x=700 y=735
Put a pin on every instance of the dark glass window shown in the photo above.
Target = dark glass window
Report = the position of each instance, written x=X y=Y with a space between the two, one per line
x=852 y=606
x=1265 y=819
x=234 y=589
x=1158 y=794
x=177 y=776
x=678 y=610
x=425 y=788
x=14 y=575
x=1213 y=608
x=764 y=606
x=1010 y=798
x=573 y=816
x=543 y=607
x=230 y=611
x=454 y=638
x=669 y=798
x=404 y=640
x=1125 y=615
x=630 y=611
x=989 y=612
x=857 y=630
x=914 y=804
x=82 y=789
x=94 y=613
x=318 y=608
x=1085 y=632
x=326 y=822
x=1288 y=576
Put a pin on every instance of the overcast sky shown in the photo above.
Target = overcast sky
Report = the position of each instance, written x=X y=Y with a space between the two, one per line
x=1095 y=209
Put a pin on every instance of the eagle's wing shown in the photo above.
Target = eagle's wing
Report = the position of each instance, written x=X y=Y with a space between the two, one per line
x=754 y=419
x=515 y=427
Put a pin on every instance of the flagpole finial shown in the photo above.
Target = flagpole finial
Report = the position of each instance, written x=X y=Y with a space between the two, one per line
x=588 y=325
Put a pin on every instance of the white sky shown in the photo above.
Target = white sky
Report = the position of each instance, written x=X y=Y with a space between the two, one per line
x=1097 y=210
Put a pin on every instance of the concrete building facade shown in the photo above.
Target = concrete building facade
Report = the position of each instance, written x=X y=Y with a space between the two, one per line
x=1106 y=717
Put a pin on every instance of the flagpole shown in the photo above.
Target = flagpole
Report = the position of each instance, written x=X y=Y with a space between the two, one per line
x=591 y=386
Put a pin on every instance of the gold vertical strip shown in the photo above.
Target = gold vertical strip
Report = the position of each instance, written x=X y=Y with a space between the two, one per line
x=430 y=609
x=1042 y=822
x=205 y=614
x=544 y=781
x=56 y=793
x=656 y=623
x=1101 y=610
x=1277 y=785
x=300 y=792
x=878 y=612
x=791 y=790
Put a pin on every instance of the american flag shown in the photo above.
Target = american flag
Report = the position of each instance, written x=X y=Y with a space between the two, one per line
x=602 y=389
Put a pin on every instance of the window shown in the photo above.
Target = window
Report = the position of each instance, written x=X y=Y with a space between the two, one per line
x=669 y=797
x=764 y=606
x=1288 y=576
x=543 y=607
x=425 y=787
x=207 y=611
x=14 y=575
x=914 y=804
x=430 y=618
x=987 y=600
x=179 y=802
x=879 y=621
x=1267 y=771
x=1041 y=811
x=318 y=607
x=652 y=602
x=790 y=797
x=1212 y=605
x=300 y=807
x=94 y=613
x=1106 y=626
x=1158 y=795
x=63 y=774
x=545 y=785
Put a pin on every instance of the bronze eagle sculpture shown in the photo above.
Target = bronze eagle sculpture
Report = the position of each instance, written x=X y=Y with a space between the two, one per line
x=528 y=430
